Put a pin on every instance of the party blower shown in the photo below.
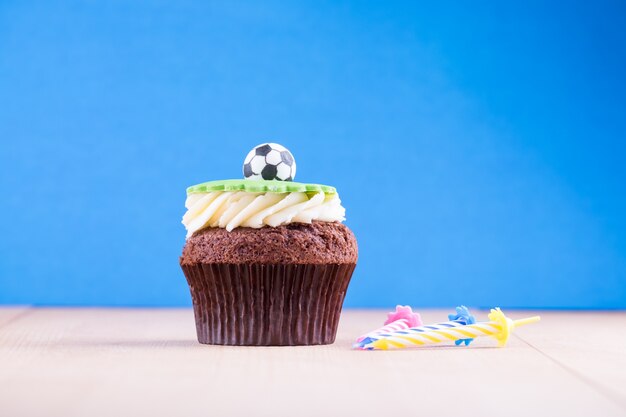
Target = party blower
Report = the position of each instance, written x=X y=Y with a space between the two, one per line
x=499 y=326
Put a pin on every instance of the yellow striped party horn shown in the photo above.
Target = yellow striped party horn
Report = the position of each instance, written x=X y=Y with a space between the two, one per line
x=499 y=326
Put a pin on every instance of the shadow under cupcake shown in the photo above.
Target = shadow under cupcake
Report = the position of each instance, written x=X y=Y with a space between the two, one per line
x=267 y=260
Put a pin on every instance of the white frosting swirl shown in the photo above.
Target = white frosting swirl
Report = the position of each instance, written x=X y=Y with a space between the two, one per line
x=231 y=209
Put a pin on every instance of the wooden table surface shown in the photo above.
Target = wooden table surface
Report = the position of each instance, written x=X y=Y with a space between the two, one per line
x=146 y=362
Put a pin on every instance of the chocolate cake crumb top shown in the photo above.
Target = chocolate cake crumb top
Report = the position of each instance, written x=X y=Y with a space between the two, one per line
x=295 y=243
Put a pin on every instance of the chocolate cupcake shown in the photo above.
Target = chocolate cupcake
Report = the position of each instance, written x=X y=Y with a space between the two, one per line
x=267 y=260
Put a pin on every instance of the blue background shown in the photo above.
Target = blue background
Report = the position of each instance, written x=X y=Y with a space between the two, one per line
x=478 y=147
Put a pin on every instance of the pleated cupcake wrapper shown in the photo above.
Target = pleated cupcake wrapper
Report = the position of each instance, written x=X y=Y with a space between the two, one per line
x=267 y=305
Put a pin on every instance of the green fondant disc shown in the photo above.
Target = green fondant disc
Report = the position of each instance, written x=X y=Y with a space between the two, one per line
x=260 y=186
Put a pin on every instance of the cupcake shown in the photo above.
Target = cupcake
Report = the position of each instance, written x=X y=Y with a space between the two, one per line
x=267 y=259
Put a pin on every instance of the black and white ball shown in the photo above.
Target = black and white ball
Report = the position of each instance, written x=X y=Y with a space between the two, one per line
x=269 y=161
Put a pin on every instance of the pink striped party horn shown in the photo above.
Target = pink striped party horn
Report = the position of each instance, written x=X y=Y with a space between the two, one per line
x=402 y=318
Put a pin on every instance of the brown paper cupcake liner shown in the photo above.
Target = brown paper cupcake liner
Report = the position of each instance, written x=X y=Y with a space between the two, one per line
x=267 y=305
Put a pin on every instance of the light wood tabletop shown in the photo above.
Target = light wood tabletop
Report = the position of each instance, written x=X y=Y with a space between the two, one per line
x=136 y=362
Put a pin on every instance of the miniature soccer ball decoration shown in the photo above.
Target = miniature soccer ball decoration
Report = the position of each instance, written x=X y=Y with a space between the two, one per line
x=269 y=161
